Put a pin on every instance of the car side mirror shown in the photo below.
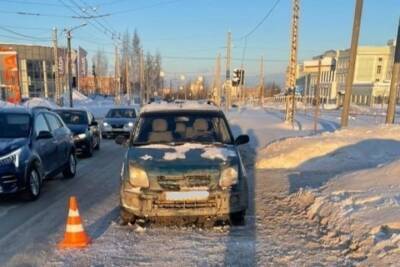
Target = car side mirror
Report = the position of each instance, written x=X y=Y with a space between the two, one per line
x=44 y=135
x=242 y=139
x=120 y=140
x=94 y=123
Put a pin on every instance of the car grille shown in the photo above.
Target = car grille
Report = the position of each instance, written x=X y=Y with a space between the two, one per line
x=7 y=179
x=184 y=204
x=117 y=126
x=177 y=182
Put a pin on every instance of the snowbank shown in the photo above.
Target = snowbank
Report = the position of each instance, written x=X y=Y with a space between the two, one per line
x=352 y=187
x=39 y=102
x=369 y=144
x=4 y=104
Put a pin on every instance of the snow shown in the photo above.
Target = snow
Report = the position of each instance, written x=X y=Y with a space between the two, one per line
x=40 y=102
x=179 y=151
x=146 y=157
x=4 y=104
x=353 y=177
x=185 y=105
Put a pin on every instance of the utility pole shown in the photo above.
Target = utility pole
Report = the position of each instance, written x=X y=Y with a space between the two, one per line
x=317 y=96
x=394 y=84
x=291 y=75
x=228 y=84
x=217 y=80
x=69 y=59
x=128 y=91
x=117 y=76
x=69 y=69
x=141 y=78
x=352 y=63
x=56 y=66
x=261 y=82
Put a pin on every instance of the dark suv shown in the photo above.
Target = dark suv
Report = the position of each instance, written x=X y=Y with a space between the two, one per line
x=34 y=145
x=84 y=128
x=183 y=162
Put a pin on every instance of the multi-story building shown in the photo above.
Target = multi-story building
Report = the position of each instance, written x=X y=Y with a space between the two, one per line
x=28 y=70
x=308 y=76
x=371 y=78
x=372 y=72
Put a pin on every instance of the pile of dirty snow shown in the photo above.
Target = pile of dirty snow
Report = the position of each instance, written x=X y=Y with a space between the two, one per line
x=348 y=181
x=4 y=104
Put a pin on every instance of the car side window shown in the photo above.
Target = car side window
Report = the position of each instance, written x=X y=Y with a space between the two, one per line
x=53 y=121
x=41 y=124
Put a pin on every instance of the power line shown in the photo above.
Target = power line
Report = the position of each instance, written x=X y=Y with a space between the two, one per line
x=24 y=35
x=261 y=21
x=36 y=14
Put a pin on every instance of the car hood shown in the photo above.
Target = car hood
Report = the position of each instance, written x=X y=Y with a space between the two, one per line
x=182 y=158
x=119 y=120
x=77 y=128
x=8 y=145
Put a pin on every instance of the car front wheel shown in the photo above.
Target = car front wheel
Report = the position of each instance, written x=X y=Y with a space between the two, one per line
x=33 y=184
x=70 y=168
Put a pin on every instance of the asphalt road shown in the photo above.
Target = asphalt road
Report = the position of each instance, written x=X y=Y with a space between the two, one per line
x=27 y=228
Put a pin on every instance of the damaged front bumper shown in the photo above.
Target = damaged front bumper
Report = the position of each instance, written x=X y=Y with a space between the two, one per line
x=218 y=204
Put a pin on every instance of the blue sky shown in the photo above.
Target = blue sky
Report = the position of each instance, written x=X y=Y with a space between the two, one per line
x=197 y=28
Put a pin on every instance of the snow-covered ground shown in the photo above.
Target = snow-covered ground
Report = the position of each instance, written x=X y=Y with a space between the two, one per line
x=348 y=181
x=308 y=196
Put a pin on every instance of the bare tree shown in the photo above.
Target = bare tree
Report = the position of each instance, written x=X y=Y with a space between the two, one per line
x=135 y=60
x=100 y=63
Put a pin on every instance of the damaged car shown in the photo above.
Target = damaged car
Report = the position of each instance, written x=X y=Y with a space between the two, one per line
x=183 y=162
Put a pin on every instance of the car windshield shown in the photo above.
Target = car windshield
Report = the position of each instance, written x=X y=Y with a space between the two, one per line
x=14 y=125
x=121 y=113
x=181 y=128
x=74 y=117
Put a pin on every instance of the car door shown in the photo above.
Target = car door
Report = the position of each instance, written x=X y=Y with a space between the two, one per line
x=58 y=139
x=45 y=148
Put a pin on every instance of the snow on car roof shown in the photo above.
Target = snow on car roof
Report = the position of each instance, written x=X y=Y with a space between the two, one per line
x=178 y=106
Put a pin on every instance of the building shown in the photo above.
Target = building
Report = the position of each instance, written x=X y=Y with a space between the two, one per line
x=28 y=70
x=371 y=78
x=373 y=72
x=308 y=76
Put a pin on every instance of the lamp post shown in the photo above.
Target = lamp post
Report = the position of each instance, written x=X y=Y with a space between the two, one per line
x=183 y=85
x=162 y=75
x=69 y=36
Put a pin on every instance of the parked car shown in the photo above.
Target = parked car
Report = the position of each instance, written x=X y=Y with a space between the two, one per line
x=84 y=128
x=118 y=121
x=183 y=162
x=34 y=145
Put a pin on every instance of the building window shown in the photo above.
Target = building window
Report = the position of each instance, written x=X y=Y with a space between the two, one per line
x=379 y=69
x=380 y=59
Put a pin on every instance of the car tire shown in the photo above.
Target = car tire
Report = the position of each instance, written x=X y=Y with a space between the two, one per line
x=238 y=218
x=34 y=184
x=70 y=168
x=89 y=151
x=97 y=147
x=126 y=217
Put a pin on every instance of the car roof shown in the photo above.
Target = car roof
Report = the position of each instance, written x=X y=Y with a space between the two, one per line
x=14 y=110
x=71 y=109
x=191 y=106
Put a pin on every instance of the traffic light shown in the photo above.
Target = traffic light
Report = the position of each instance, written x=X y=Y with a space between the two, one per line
x=238 y=77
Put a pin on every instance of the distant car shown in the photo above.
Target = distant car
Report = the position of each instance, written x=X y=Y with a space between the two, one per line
x=118 y=121
x=183 y=161
x=34 y=145
x=84 y=128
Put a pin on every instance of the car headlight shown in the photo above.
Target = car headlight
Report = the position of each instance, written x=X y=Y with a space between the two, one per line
x=81 y=136
x=130 y=124
x=138 y=177
x=105 y=124
x=12 y=157
x=229 y=177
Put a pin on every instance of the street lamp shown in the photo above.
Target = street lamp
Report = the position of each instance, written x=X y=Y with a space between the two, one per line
x=162 y=74
x=68 y=34
x=183 y=79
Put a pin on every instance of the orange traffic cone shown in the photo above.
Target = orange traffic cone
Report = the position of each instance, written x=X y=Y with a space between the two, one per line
x=75 y=236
